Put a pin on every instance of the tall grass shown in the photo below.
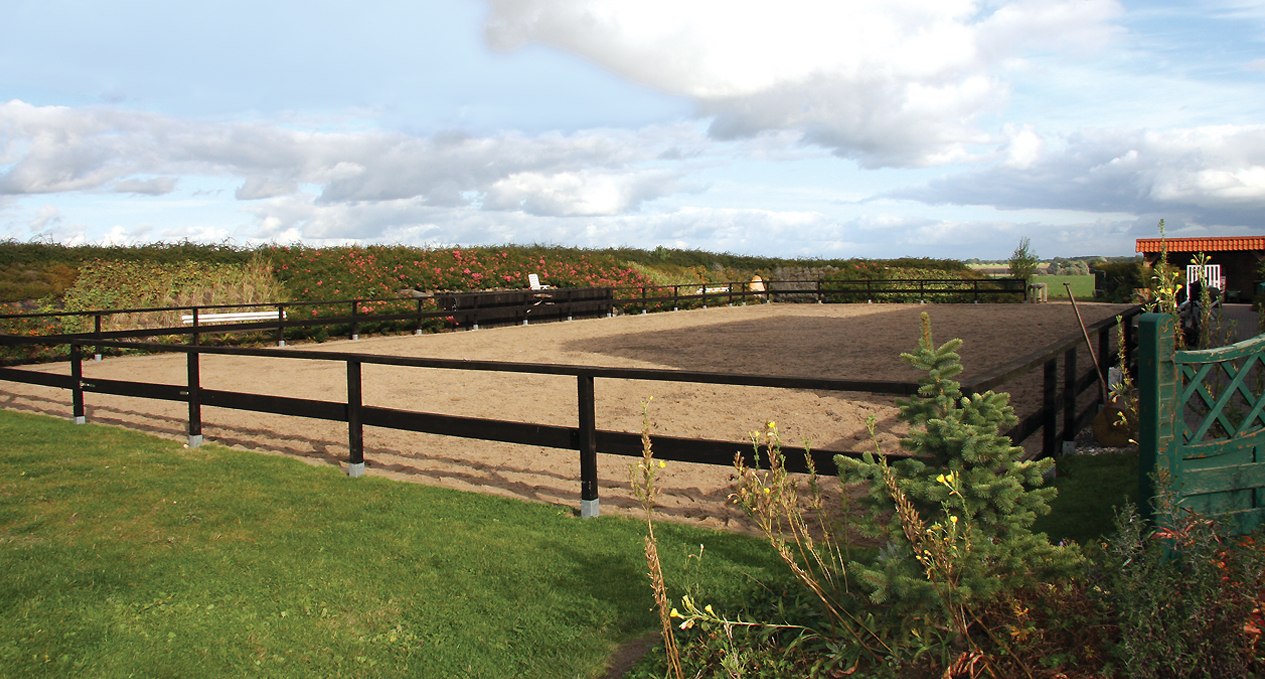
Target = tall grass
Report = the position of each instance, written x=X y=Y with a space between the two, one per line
x=105 y=284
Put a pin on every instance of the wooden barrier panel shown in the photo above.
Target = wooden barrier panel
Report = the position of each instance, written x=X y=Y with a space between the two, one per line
x=1203 y=424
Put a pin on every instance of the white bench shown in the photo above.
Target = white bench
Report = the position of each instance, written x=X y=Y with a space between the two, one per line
x=234 y=317
x=712 y=290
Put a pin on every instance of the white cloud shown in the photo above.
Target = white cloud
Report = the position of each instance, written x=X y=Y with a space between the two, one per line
x=580 y=193
x=1023 y=146
x=1018 y=28
x=55 y=149
x=888 y=82
x=122 y=235
x=153 y=186
x=257 y=187
x=47 y=217
x=1213 y=174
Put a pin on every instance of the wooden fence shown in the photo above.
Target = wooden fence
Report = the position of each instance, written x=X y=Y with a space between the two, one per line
x=474 y=309
x=1202 y=424
x=1058 y=405
x=646 y=298
x=585 y=437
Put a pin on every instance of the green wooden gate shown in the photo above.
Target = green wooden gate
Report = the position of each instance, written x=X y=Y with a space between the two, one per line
x=1202 y=423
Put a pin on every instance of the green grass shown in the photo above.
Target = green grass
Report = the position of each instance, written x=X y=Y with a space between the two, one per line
x=1090 y=488
x=1082 y=285
x=126 y=555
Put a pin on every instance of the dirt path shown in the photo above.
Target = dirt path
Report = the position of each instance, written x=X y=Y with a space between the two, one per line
x=846 y=341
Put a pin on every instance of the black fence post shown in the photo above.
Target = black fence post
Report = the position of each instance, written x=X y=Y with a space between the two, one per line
x=355 y=423
x=96 y=333
x=1104 y=351
x=589 y=503
x=645 y=305
x=281 y=325
x=473 y=313
x=821 y=293
x=1130 y=346
x=355 y=324
x=195 y=337
x=1069 y=401
x=76 y=376
x=417 y=327
x=1049 y=407
x=676 y=298
x=195 y=400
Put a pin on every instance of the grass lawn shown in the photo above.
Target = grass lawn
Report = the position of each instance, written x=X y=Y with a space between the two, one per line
x=1090 y=488
x=122 y=554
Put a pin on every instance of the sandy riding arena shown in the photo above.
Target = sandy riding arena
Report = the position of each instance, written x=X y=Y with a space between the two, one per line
x=845 y=341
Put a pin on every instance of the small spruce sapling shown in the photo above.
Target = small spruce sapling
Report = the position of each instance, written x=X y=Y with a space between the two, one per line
x=996 y=496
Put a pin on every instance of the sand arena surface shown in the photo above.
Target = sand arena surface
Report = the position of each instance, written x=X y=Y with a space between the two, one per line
x=860 y=341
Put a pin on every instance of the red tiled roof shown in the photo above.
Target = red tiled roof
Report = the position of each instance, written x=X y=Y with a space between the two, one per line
x=1238 y=243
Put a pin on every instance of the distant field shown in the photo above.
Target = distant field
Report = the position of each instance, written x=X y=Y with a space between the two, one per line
x=1082 y=285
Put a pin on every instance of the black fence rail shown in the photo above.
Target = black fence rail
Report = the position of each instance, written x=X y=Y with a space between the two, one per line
x=282 y=321
x=348 y=317
x=499 y=307
x=585 y=437
x=1058 y=418
x=922 y=290
x=823 y=291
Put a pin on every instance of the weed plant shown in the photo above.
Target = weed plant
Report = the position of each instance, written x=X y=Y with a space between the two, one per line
x=104 y=284
x=1187 y=600
x=963 y=583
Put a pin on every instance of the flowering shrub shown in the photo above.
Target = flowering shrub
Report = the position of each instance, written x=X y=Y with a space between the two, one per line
x=28 y=327
x=383 y=272
x=386 y=273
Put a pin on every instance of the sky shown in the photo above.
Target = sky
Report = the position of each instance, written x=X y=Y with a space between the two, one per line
x=865 y=128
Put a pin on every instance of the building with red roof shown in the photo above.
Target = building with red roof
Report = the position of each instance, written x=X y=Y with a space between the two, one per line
x=1239 y=257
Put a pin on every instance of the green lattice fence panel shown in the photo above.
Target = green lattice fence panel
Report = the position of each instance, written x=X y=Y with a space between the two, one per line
x=1203 y=423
